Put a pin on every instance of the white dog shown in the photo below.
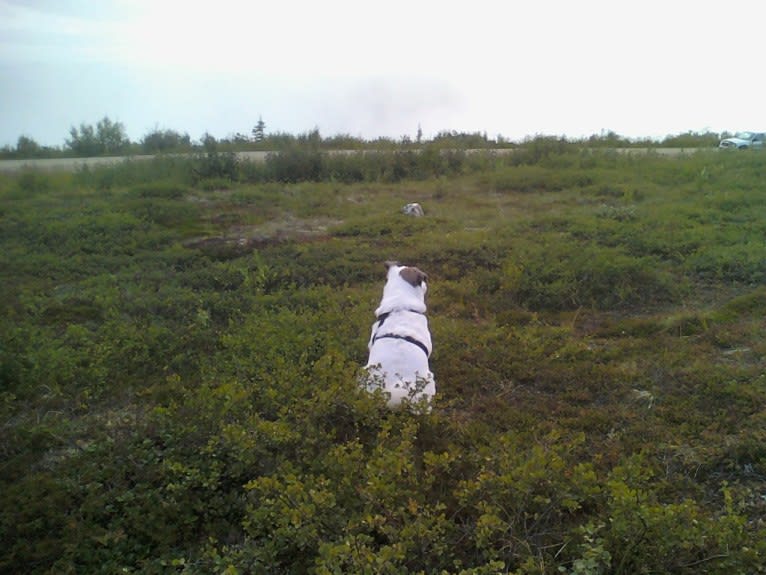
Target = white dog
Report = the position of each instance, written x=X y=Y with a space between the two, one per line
x=414 y=209
x=400 y=343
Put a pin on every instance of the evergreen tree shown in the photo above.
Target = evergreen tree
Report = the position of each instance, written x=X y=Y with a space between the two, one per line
x=259 y=132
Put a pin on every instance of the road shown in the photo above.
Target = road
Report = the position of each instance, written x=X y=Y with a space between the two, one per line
x=72 y=164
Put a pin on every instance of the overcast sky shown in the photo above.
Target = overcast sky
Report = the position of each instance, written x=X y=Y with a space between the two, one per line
x=380 y=68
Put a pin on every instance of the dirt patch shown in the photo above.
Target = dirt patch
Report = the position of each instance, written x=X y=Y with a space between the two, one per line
x=238 y=240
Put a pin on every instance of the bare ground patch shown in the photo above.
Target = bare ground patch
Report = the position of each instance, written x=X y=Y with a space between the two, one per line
x=240 y=239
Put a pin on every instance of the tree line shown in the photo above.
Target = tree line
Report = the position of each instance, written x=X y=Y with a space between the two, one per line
x=109 y=138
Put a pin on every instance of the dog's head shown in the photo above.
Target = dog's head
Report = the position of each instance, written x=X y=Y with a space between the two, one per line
x=414 y=209
x=405 y=288
x=412 y=275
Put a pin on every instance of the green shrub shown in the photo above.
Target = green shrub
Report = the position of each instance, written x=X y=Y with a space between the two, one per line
x=535 y=178
x=167 y=190
x=295 y=165
x=645 y=534
x=744 y=263
x=557 y=276
x=132 y=172
x=32 y=182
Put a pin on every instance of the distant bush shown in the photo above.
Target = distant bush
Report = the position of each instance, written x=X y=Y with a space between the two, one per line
x=295 y=165
x=158 y=141
x=534 y=150
x=134 y=172
x=298 y=164
x=526 y=179
x=692 y=140
x=214 y=163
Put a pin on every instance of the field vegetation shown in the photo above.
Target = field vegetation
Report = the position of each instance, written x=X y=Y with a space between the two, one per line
x=181 y=342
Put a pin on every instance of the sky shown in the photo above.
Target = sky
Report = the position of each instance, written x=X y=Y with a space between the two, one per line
x=373 y=68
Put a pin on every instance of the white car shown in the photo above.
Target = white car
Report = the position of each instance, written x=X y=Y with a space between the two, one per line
x=744 y=140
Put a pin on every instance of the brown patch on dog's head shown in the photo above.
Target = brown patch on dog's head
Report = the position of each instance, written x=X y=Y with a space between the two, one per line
x=413 y=276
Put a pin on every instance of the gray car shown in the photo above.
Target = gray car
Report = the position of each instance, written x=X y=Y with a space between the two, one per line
x=744 y=140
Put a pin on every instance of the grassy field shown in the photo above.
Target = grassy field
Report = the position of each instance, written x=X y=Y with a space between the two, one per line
x=181 y=340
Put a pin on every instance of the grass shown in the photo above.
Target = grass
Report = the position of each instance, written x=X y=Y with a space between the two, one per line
x=179 y=360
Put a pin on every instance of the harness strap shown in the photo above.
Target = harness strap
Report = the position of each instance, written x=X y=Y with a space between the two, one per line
x=406 y=338
x=384 y=316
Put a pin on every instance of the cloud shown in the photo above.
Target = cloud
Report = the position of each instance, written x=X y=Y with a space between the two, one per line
x=387 y=106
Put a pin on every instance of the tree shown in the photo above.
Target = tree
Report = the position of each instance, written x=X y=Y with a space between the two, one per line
x=26 y=147
x=310 y=139
x=83 y=142
x=107 y=138
x=259 y=131
x=111 y=135
x=164 y=141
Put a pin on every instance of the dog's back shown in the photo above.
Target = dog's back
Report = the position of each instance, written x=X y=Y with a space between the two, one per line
x=400 y=342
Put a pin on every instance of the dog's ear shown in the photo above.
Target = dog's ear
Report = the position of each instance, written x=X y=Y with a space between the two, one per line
x=413 y=276
x=391 y=263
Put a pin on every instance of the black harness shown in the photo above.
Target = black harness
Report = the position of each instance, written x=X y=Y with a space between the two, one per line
x=407 y=338
x=381 y=320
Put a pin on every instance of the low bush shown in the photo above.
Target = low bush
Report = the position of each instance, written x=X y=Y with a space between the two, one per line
x=535 y=178
x=557 y=276
x=168 y=190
